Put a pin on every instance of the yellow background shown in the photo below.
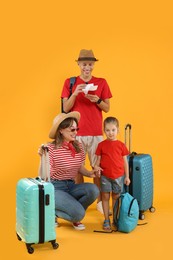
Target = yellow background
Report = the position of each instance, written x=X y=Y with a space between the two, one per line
x=40 y=41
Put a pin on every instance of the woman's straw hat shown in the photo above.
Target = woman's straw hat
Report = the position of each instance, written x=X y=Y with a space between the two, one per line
x=58 y=120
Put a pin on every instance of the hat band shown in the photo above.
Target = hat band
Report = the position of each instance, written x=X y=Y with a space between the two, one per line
x=87 y=58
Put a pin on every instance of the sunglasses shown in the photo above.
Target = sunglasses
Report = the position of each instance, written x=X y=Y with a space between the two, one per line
x=74 y=129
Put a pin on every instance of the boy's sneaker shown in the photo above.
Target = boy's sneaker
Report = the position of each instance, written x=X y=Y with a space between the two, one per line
x=78 y=226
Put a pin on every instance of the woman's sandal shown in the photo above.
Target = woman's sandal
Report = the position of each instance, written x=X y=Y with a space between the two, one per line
x=106 y=224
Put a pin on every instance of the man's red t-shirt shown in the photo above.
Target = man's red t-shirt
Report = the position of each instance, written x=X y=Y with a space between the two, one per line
x=90 y=123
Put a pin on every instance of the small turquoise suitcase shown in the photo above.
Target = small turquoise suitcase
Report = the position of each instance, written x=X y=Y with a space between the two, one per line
x=141 y=176
x=35 y=212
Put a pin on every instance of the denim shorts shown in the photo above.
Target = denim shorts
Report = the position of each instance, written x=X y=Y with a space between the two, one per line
x=112 y=185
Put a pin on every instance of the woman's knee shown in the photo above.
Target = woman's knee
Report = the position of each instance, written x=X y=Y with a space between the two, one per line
x=73 y=214
x=68 y=208
x=93 y=190
x=78 y=214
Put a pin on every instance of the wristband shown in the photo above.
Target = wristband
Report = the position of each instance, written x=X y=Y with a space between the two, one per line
x=99 y=101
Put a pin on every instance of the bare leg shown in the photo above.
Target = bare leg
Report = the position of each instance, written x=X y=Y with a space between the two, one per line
x=105 y=203
x=115 y=196
x=97 y=182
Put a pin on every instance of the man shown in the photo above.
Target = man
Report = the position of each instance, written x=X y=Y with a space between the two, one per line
x=90 y=96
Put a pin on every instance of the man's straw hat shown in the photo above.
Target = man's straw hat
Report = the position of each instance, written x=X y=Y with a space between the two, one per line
x=86 y=55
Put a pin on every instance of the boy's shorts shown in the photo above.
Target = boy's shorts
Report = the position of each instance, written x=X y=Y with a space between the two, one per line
x=111 y=185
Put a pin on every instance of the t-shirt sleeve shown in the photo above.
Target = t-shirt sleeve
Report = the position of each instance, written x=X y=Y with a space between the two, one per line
x=125 y=151
x=106 y=92
x=98 y=150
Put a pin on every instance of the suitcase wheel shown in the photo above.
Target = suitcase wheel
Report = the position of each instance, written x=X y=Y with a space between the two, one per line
x=141 y=213
x=141 y=216
x=30 y=249
x=55 y=245
x=152 y=209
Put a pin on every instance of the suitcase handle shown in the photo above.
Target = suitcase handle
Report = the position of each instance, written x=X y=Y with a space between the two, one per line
x=128 y=126
x=44 y=168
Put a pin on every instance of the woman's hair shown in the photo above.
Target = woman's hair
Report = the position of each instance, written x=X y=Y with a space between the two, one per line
x=112 y=120
x=59 y=139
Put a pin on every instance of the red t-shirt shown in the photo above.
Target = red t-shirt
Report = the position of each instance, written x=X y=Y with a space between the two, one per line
x=90 y=123
x=112 y=162
x=63 y=165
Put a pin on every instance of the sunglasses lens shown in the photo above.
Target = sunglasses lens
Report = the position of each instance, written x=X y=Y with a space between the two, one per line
x=74 y=129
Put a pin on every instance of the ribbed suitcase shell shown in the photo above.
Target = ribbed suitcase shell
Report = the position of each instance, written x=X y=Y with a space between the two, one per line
x=35 y=223
x=141 y=176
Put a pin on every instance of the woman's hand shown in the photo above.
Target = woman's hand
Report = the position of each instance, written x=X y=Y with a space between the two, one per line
x=97 y=170
x=91 y=174
x=42 y=149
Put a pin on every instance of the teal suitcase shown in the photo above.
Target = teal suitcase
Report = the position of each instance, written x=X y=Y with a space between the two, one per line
x=141 y=186
x=35 y=212
x=141 y=176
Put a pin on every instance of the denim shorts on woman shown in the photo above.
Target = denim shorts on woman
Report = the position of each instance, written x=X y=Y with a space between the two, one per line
x=112 y=185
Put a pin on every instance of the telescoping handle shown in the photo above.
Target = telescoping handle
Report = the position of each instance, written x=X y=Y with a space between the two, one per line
x=128 y=127
x=44 y=169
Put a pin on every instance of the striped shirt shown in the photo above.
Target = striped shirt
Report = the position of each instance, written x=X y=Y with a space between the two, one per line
x=63 y=165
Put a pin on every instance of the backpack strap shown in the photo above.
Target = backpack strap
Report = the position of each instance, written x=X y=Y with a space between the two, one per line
x=117 y=205
x=72 y=82
x=106 y=232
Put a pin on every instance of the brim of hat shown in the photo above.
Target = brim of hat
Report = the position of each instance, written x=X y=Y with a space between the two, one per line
x=86 y=59
x=64 y=116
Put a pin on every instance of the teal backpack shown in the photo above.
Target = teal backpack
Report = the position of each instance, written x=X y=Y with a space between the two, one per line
x=126 y=213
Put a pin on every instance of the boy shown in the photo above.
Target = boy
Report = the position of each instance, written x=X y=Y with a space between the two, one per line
x=113 y=165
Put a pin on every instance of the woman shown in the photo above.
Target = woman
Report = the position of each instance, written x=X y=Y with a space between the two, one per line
x=67 y=158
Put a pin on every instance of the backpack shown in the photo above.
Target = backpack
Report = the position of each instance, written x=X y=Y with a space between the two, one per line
x=126 y=213
x=72 y=82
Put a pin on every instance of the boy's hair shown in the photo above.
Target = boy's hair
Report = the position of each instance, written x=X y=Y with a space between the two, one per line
x=112 y=120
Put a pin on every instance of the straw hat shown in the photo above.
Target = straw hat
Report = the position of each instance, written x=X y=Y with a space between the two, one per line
x=86 y=55
x=58 y=120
